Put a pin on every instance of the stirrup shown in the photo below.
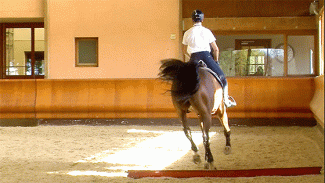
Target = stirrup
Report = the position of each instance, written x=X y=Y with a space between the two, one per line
x=230 y=102
x=214 y=111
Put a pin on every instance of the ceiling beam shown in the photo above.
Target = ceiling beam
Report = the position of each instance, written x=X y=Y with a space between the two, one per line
x=255 y=23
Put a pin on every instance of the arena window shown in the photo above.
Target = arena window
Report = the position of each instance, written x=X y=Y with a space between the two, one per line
x=263 y=55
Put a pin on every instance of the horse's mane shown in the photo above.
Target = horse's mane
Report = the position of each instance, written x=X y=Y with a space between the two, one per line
x=183 y=75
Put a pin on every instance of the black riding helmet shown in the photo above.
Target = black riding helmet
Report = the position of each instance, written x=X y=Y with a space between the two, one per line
x=197 y=16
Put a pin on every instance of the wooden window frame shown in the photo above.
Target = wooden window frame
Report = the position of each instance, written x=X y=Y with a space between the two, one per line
x=253 y=42
x=77 y=64
x=3 y=27
x=320 y=69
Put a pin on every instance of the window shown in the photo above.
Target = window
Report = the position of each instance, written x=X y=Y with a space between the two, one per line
x=39 y=63
x=263 y=55
x=23 y=46
x=86 y=52
x=255 y=62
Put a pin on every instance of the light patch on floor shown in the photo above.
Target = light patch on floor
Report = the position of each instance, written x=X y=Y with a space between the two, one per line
x=95 y=173
x=153 y=154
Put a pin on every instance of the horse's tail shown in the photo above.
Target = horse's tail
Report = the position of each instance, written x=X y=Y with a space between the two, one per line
x=184 y=76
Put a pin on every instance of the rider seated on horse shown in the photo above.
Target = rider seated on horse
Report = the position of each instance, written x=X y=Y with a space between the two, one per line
x=198 y=40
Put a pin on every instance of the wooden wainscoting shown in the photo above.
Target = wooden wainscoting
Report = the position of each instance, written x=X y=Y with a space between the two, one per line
x=317 y=103
x=17 y=98
x=102 y=98
x=147 y=98
x=271 y=97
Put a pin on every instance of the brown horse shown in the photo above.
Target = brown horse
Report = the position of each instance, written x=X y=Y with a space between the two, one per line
x=193 y=85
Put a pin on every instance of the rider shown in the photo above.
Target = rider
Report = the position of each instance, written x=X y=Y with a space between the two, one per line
x=198 y=40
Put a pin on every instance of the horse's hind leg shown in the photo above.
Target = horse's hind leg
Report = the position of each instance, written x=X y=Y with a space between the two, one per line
x=188 y=134
x=205 y=126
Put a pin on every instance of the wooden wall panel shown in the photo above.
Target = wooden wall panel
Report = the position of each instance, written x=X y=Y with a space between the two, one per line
x=271 y=97
x=17 y=98
x=101 y=95
x=317 y=103
x=1 y=48
x=256 y=24
x=147 y=98
x=159 y=98
x=247 y=8
x=75 y=97
x=131 y=95
x=105 y=98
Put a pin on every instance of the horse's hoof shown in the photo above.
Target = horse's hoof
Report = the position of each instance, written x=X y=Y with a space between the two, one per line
x=196 y=159
x=209 y=166
x=227 y=150
x=206 y=166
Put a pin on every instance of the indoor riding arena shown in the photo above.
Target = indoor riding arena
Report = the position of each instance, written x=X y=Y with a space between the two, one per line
x=81 y=99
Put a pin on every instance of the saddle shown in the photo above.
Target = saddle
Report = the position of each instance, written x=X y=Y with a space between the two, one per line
x=205 y=67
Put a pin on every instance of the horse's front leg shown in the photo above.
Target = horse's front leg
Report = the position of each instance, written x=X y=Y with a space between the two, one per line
x=228 y=146
x=224 y=120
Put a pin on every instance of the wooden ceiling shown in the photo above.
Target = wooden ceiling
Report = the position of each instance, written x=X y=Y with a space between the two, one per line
x=248 y=8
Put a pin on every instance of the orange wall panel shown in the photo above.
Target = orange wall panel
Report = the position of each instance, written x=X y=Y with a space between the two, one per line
x=133 y=36
x=21 y=9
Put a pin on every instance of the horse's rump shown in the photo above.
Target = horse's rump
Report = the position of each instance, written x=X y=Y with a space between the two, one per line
x=184 y=75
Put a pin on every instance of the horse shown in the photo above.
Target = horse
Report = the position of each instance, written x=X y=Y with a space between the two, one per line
x=193 y=85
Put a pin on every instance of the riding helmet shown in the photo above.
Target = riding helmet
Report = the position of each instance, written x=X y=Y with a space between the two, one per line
x=197 y=16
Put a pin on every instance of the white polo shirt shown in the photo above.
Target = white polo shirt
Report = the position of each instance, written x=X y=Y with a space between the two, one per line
x=198 y=38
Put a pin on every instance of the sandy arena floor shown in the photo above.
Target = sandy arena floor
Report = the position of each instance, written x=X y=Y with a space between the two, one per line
x=105 y=153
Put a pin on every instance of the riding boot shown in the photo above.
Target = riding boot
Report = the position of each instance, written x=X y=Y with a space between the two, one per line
x=229 y=101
